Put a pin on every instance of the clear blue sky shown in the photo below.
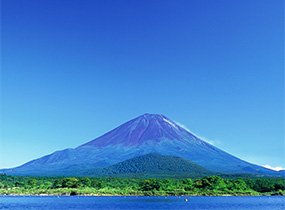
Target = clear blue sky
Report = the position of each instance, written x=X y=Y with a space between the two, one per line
x=72 y=70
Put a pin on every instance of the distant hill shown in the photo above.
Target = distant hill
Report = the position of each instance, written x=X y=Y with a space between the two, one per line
x=146 y=134
x=153 y=165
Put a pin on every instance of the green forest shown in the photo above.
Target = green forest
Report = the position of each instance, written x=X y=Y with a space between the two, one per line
x=208 y=186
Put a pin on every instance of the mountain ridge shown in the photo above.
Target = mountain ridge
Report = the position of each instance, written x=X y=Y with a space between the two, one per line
x=148 y=133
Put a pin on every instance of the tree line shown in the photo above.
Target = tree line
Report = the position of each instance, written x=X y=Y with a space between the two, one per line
x=212 y=185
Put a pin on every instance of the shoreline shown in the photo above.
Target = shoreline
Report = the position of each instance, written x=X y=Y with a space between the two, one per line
x=69 y=194
x=165 y=196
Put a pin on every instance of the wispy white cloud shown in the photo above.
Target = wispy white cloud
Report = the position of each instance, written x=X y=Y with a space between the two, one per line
x=215 y=143
x=274 y=168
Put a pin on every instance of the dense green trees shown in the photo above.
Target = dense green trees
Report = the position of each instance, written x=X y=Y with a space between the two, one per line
x=19 y=184
x=57 y=183
x=70 y=183
x=97 y=184
x=32 y=182
x=265 y=185
x=85 y=181
x=212 y=185
x=212 y=182
x=150 y=185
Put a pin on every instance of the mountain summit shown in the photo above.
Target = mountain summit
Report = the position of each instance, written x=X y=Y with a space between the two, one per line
x=136 y=132
x=146 y=134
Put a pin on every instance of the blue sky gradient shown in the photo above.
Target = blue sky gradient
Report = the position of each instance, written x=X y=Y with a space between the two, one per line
x=72 y=70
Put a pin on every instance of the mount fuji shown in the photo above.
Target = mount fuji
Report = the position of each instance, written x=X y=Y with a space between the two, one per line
x=146 y=134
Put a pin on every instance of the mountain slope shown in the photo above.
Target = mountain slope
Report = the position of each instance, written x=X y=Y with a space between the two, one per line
x=143 y=135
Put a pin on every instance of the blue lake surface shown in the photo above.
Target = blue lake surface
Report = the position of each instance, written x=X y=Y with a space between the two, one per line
x=142 y=202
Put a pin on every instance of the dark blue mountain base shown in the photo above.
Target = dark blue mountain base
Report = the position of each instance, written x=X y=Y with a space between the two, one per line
x=143 y=135
x=152 y=165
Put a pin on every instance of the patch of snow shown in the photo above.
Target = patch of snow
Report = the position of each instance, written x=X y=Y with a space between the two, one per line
x=172 y=124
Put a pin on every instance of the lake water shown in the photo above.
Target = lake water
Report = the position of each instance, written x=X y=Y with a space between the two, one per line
x=142 y=203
